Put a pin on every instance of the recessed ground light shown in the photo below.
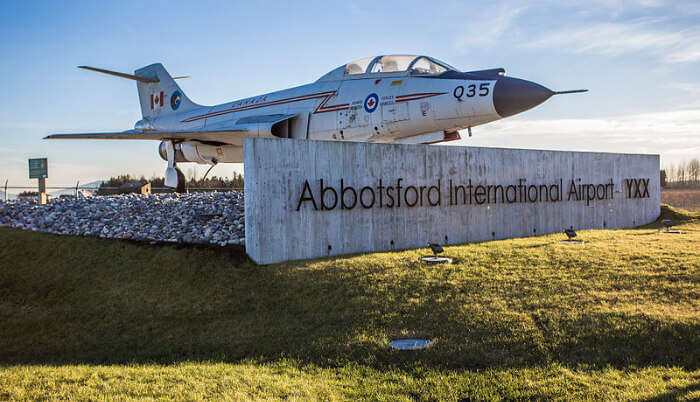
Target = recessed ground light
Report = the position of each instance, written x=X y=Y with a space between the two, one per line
x=436 y=260
x=437 y=249
x=570 y=234
x=668 y=224
x=409 y=344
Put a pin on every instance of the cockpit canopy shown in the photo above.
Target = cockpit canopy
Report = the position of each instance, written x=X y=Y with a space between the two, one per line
x=398 y=64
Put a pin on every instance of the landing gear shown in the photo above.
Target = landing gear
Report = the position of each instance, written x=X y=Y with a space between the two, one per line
x=180 y=181
x=175 y=179
x=173 y=176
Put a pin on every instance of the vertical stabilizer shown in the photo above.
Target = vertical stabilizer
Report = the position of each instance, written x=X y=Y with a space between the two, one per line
x=160 y=95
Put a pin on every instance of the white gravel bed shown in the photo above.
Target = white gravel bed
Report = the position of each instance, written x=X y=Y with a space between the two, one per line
x=212 y=218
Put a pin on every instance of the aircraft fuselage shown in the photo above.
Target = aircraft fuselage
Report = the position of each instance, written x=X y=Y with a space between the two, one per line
x=395 y=98
x=387 y=109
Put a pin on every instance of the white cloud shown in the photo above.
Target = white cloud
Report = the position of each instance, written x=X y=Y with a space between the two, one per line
x=617 y=38
x=673 y=135
x=627 y=4
x=689 y=94
x=690 y=88
x=488 y=30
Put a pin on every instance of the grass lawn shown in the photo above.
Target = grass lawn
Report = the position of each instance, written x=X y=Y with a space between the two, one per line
x=615 y=318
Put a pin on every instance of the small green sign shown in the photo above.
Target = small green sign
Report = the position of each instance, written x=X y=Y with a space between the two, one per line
x=38 y=168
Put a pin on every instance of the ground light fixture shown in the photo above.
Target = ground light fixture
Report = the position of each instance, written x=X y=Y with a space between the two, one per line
x=436 y=248
x=668 y=224
x=435 y=259
x=410 y=344
x=570 y=235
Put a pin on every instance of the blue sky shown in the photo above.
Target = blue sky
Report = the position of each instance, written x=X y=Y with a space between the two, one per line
x=639 y=59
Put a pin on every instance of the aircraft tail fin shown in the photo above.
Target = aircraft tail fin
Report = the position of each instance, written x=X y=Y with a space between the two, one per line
x=159 y=94
x=162 y=97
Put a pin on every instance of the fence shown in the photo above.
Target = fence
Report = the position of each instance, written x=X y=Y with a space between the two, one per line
x=77 y=188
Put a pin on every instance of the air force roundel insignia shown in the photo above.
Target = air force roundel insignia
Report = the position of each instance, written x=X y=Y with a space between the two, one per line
x=371 y=103
x=175 y=100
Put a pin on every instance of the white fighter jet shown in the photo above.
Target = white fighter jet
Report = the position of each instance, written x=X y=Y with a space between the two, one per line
x=396 y=98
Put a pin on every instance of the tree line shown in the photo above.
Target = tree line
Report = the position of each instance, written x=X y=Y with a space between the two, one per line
x=683 y=174
x=127 y=183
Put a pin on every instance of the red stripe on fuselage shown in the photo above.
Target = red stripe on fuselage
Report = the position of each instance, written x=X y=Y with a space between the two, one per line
x=320 y=109
x=406 y=98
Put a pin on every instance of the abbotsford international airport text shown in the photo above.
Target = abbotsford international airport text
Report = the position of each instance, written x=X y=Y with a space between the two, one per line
x=396 y=194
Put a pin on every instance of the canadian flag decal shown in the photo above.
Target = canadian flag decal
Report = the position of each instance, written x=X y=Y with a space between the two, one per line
x=156 y=100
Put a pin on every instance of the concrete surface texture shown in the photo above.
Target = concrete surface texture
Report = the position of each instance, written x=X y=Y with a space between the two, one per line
x=307 y=199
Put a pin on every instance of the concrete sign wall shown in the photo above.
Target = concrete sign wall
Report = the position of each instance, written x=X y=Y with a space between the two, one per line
x=306 y=199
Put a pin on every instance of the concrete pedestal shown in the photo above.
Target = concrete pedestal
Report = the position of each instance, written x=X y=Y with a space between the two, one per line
x=306 y=199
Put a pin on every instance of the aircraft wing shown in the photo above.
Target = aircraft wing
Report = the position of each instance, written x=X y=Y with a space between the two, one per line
x=153 y=135
x=226 y=132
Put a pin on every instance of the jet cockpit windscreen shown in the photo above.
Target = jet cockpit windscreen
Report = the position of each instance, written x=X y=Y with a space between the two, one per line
x=424 y=65
x=401 y=63
x=358 y=66
x=392 y=64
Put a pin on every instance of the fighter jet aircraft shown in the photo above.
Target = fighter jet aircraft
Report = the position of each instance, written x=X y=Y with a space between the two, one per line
x=396 y=98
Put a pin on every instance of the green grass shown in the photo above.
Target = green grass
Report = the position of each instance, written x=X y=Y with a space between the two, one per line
x=615 y=318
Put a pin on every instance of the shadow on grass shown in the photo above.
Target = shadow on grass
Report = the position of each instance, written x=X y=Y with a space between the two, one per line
x=540 y=245
x=678 y=216
x=96 y=301
x=676 y=393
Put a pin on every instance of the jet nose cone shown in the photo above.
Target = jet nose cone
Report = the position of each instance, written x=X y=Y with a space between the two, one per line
x=513 y=95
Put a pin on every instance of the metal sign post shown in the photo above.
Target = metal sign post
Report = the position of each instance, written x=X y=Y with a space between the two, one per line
x=39 y=169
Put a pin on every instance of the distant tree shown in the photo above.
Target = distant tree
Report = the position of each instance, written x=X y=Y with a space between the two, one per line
x=671 y=174
x=680 y=172
x=694 y=170
x=158 y=185
x=119 y=184
x=237 y=180
x=662 y=177
x=116 y=185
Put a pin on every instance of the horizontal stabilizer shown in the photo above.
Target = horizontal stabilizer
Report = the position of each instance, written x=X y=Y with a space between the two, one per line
x=122 y=75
